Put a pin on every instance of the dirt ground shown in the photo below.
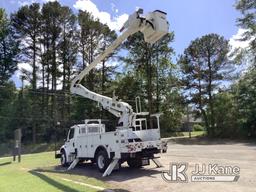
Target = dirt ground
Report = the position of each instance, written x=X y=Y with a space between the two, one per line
x=149 y=178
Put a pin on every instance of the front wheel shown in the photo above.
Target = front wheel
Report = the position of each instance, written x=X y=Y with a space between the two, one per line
x=102 y=161
x=63 y=159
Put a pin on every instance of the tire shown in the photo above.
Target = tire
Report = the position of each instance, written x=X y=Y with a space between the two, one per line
x=102 y=161
x=134 y=163
x=63 y=159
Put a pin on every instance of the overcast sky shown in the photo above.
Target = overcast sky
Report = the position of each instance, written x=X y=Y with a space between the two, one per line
x=188 y=19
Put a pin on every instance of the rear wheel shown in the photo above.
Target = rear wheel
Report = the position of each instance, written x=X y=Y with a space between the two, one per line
x=102 y=161
x=134 y=163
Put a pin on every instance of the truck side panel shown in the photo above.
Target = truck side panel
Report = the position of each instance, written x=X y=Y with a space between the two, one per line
x=88 y=144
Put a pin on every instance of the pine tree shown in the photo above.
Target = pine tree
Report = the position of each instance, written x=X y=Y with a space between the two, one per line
x=27 y=26
x=8 y=49
x=204 y=65
x=67 y=54
x=152 y=64
x=27 y=23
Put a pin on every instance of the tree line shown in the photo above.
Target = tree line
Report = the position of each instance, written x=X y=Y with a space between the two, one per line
x=56 y=44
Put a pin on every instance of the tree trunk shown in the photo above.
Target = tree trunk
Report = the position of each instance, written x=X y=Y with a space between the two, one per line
x=34 y=89
x=157 y=85
x=149 y=87
x=212 y=122
x=206 y=122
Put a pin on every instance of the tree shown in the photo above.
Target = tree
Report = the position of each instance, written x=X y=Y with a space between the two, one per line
x=27 y=22
x=149 y=62
x=226 y=116
x=8 y=65
x=204 y=65
x=248 y=22
x=51 y=12
x=68 y=44
x=8 y=49
x=245 y=94
x=27 y=26
x=153 y=77
x=106 y=71
x=7 y=96
x=67 y=52
x=88 y=36
x=94 y=37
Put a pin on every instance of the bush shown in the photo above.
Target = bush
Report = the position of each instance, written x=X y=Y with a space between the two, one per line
x=197 y=127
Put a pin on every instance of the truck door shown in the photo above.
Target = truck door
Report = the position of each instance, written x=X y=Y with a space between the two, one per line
x=70 y=144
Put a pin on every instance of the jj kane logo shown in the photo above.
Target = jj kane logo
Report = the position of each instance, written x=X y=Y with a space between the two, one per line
x=176 y=173
x=201 y=173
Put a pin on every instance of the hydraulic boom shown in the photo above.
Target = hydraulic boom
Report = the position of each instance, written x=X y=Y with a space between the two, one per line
x=153 y=26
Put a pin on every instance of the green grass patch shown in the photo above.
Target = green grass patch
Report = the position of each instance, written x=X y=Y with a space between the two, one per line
x=25 y=177
x=194 y=133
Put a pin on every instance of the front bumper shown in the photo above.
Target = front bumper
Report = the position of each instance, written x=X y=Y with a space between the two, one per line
x=57 y=154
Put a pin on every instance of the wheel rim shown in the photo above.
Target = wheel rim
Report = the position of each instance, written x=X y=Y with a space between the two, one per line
x=101 y=161
x=62 y=160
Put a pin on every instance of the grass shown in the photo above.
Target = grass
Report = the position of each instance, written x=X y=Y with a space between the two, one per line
x=26 y=177
x=194 y=133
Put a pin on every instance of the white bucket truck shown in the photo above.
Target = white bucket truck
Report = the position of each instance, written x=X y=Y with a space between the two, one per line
x=136 y=139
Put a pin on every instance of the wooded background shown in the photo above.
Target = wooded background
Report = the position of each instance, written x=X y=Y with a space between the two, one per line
x=57 y=44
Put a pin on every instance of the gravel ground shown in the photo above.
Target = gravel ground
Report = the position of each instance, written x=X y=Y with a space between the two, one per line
x=149 y=178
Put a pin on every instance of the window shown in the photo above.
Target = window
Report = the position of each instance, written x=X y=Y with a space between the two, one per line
x=144 y=125
x=71 y=133
x=83 y=130
x=152 y=123
x=93 y=129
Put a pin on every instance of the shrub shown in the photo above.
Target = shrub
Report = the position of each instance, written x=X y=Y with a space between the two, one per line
x=197 y=127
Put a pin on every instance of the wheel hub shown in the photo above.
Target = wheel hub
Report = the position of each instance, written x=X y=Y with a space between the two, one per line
x=62 y=160
x=101 y=161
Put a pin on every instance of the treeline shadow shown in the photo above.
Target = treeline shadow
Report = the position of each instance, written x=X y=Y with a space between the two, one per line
x=52 y=182
x=5 y=163
x=39 y=173
x=90 y=170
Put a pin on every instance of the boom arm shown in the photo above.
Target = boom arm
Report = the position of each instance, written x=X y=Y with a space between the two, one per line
x=153 y=26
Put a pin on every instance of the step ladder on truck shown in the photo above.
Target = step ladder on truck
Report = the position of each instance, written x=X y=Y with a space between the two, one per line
x=136 y=139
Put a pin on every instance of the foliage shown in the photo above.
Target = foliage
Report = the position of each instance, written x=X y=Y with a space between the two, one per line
x=57 y=44
x=7 y=97
x=8 y=49
x=204 y=65
x=245 y=94
x=226 y=116
x=198 y=127
x=248 y=22
x=152 y=76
